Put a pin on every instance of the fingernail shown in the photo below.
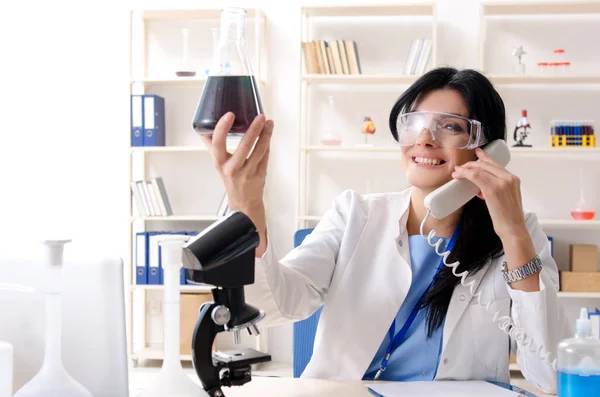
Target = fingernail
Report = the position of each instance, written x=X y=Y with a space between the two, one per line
x=229 y=116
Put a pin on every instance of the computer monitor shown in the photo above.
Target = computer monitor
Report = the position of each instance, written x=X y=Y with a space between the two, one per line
x=94 y=343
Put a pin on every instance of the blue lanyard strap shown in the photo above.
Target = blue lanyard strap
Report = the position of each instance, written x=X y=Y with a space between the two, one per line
x=396 y=341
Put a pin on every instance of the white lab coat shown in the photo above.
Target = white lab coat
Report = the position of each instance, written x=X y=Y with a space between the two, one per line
x=356 y=263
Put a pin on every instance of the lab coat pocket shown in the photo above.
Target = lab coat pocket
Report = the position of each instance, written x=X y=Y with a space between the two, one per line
x=491 y=344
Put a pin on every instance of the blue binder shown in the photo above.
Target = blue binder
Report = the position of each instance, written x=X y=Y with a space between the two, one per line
x=137 y=120
x=141 y=258
x=154 y=264
x=154 y=120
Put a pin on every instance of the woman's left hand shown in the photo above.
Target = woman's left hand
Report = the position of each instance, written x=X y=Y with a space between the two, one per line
x=500 y=189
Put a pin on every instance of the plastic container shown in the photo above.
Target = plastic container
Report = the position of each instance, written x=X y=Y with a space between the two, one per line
x=578 y=361
x=185 y=70
x=6 y=369
x=230 y=85
x=53 y=379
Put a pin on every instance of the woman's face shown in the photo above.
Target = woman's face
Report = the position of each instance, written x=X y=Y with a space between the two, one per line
x=426 y=175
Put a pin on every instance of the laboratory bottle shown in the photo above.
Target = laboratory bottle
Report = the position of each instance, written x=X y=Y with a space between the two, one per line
x=230 y=85
x=578 y=361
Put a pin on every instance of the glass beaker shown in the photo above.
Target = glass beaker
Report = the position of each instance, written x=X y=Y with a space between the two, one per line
x=332 y=137
x=184 y=68
x=230 y=85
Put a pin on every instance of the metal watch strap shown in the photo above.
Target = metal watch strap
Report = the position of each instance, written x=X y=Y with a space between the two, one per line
x=520 y=273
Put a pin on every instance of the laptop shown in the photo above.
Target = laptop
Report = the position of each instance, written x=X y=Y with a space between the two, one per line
x=94 y=341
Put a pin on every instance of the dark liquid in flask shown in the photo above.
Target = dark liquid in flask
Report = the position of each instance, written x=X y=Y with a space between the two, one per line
x=222 y=94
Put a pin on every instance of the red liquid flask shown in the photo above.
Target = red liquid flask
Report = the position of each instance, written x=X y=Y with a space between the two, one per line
x=231 y=85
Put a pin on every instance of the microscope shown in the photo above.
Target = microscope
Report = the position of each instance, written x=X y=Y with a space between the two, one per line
x=223 y=256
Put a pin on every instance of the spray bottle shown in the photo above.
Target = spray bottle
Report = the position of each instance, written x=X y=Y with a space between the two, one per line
x=578 y=361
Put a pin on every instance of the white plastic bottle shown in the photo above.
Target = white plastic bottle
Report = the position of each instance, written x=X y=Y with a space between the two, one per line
x=578 y=361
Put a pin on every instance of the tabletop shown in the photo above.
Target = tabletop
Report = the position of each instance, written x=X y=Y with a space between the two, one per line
x=267 y=386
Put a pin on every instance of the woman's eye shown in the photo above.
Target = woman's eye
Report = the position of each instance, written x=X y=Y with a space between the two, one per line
x=453 y=127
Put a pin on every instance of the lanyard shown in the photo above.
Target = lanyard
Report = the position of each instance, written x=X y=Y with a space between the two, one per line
x=396 y=341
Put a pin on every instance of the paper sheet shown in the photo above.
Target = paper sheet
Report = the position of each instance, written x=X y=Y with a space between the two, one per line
x=439 y=389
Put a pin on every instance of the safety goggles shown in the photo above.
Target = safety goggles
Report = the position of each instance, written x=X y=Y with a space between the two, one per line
x=447 y=130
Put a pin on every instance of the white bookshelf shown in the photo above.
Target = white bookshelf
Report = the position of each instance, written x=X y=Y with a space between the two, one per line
x=188 y=149
x=370 y=13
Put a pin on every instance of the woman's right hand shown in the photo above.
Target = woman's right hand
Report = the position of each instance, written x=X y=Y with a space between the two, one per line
x=244 y=172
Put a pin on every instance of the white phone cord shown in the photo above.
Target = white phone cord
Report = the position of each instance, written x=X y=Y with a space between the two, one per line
x=504 y=322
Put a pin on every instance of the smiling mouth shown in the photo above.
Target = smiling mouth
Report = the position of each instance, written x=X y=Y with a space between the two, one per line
x=428 y=161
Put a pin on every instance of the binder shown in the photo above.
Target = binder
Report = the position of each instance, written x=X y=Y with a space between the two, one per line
x=141 y=258
x=137 y=120
x=154 y=263
x=154 y=120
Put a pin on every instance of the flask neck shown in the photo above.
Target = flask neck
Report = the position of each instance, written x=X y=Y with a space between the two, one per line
x=233 y=23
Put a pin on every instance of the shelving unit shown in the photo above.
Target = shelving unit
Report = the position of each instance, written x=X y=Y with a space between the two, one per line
x=142 y=159
x=548 y=11
x=363 y=12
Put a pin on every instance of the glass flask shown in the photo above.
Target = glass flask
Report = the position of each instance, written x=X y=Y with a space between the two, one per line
x=584 y=210
x=230 y=85
x=184 y=69
x=332 y=137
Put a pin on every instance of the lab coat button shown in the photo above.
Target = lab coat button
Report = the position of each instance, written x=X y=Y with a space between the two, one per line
x=400 y=243
x=445 y=360
x=462 y=297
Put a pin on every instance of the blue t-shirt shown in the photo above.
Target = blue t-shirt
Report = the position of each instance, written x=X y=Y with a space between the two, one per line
x=416 y=359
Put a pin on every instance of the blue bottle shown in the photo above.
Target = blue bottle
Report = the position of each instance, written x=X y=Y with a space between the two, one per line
x=578 y=361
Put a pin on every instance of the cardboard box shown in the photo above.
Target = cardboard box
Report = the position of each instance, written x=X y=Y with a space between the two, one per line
x=579 y=281
x=583 y=258
x=189 y=305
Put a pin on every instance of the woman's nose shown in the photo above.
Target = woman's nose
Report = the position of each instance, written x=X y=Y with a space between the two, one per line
x=425 y=137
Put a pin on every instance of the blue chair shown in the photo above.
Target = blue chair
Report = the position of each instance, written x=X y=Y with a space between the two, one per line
x=304 y=330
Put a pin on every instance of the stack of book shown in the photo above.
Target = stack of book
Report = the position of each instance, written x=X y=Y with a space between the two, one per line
x=332 y=57
x=151 y=197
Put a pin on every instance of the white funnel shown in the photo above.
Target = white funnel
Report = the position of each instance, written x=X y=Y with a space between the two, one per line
x=53 y=379
x=172 y=381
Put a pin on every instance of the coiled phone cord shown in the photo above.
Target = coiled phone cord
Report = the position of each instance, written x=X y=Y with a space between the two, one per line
x=504 y=322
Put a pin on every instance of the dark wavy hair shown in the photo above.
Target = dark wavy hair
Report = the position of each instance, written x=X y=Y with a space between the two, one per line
x=477 y=241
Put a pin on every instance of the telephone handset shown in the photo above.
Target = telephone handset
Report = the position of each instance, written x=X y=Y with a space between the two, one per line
x=456 y=193
x=449 y=198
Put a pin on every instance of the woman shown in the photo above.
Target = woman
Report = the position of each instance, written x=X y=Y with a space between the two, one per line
x=367 y=264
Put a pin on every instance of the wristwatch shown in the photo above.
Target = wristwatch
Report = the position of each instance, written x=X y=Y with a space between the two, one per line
x=520 y=273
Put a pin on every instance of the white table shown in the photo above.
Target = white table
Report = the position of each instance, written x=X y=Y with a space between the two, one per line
x=264 y=386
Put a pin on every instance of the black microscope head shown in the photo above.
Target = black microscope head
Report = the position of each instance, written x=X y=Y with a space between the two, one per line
x=223 y=254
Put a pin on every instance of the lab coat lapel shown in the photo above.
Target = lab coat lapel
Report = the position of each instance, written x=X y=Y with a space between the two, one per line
x=458 y=305
x=386 y=289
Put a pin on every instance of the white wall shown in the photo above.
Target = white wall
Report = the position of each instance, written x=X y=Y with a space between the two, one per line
x=63 y=155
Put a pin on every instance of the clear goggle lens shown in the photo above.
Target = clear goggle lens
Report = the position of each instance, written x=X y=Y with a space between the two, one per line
x=447 y=130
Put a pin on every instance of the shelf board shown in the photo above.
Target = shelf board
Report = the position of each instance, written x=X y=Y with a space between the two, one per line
x=200 y=289
x=232 y=145
x=174 y=80
x=188 y=14
x=565 y=78
x=176 y=218
x=353 y=149
x=359 y=78
x=595 y=295
x=562 y=223
x=375 y=10
x=541 y=8
x=516 y=152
